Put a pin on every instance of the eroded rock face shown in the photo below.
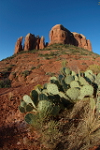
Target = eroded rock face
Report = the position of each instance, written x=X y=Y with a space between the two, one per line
x=82 y=41
x=30 y=41
x=18 y=45
x=59 y=34
x=41 y=44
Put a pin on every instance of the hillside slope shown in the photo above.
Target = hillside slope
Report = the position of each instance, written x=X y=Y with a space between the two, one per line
x=26 y=70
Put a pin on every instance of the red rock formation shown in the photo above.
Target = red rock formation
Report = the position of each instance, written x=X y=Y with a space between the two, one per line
x=30 y=42
x=37 y=42
x=41 y=44
x=82 y=41
x=59 y=34
x=18 y=45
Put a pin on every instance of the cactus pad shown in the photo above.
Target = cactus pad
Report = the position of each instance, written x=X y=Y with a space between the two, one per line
x=52 y=89
x=73 y=93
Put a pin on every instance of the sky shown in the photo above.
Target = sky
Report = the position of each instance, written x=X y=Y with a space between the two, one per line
x=20 y=17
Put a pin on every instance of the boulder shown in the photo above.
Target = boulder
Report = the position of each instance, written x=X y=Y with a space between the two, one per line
x=30 y=42
x=18 y=45
x=41 y=44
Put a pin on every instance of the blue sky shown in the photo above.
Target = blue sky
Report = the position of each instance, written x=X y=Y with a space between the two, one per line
x=20 y=17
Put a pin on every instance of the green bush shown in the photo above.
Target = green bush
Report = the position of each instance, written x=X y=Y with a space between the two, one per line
x=25 y=73
x=5 y=83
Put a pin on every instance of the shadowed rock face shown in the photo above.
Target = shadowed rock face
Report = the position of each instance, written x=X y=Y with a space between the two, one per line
x=82 y=41
x=60 y=34
x=30 y=41
x=18 y=45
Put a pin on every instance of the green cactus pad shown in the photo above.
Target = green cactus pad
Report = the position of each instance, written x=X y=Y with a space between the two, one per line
x=60 y=77
x=97 y=79
x=76 y=78
x=89 y=74
x=86 y=90
x=21 y=109
x=34 y=96
x=98 y=105
x=52 y=89
x=74 y=84
x=29 y=107
x=27 y=99
x=73 y=93
x=30 y=118
x=53 y=78
x=65 y=71
x=92 y=103
x=69 y=79
x=62 y=95
x=82 y=81
x=44 y=105
x=64 y=85
x=45 y=108
x=73 y=73
x=43 y=96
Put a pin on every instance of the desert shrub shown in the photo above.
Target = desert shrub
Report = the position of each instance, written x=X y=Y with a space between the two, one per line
x=95 y=68
x=25 y=73
x=5 y=83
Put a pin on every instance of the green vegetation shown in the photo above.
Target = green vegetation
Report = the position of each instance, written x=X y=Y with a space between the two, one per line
x=25 y=73
x=62 y=49
x=95 y=68
x=5 y=83
x=65 y=110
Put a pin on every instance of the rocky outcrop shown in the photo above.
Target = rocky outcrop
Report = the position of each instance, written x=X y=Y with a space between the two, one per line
x=59 y=34
x=30 y=41
x=82 y=41
x=41 y=44
x=37 y=42
x=18 y=45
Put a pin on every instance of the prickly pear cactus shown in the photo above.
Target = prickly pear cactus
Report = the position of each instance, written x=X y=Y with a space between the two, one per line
x=65 y=71
x=22 y=107
x=86 y=90
x=82 y=81
x=97 y=79
x=69 y=79
x=48 y=108
x=30 y=118
x=98 y=106
x=92 y=103
x=27 y=99
x=89 y=75
x=74 y=84
x=34 y=96
x=73 y=93
x=52 y=89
